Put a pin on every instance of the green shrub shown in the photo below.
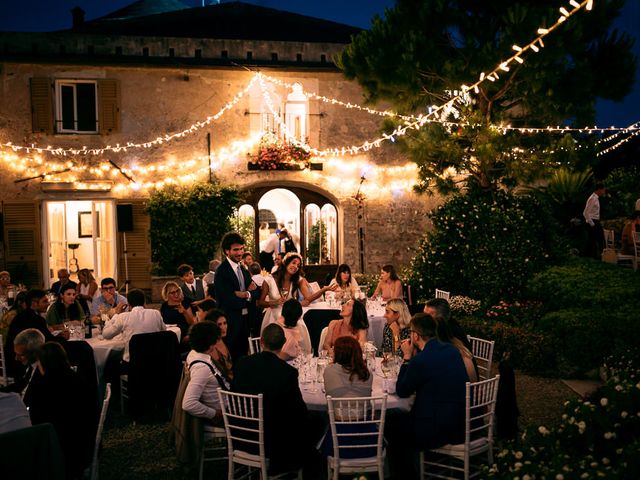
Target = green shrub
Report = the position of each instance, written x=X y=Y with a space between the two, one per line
x=485 y=246
x=187 y=224
x=584 y=283
x=597 y=438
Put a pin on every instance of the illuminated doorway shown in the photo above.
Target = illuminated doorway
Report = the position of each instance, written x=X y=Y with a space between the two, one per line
x=79 y=234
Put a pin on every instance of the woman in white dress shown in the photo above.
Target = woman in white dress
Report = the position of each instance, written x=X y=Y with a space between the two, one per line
x=285 y=283
x=295 y=331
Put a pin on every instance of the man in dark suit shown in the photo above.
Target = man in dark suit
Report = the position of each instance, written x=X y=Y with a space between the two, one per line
x=192 y=287
x=236 y=294
x=26 y=346
x=37 y=304
x=436 y=373
x=286 y=433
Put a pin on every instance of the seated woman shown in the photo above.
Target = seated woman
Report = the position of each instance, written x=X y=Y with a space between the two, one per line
x=65 y=309
x=223 y=357
x=443 y=334
x=285 y=283
x=175 y=310
x=201 y=395
x=295 y=331
x=203 y=308
x=347 y=285
x=87 y=289
x=628 y=232
x=397 y=315
x=348 y=376
x=389 y=285
x=63 y=399
x=354 y=323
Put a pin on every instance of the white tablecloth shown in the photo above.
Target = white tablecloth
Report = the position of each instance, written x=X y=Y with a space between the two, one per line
x=317 y=400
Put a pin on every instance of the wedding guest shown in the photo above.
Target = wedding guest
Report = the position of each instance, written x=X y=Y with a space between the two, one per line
x=20 y=305
x=389 y=285
x=87 y=289
x=209 y=277
x=26 y=346
x=256 y=274
x=247 y=260
x=353 y=323
x=348 y=375
x=65 y=309
x=628 y=233
x=439 y=309
x=397 y=316
x=201 y=397
x=5 y=287
x=176 y=310
x=286 y=283
x=347 y=285
x=203 y=308
x=192 y=287
x=295 y=331
x=65 y=400
x=226 y=362
x=591 y=215
x=63 y=279
x=109 y=302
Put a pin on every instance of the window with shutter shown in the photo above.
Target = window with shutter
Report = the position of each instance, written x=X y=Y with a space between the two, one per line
x=76 y=106
x=109 y=106
x=138 y=250
x=23 y=243
x=41 y=105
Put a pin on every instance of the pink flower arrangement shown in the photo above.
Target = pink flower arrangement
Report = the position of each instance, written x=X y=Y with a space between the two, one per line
x=273 y=154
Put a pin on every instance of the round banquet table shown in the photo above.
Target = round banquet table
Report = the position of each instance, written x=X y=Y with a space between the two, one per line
x=317 y=400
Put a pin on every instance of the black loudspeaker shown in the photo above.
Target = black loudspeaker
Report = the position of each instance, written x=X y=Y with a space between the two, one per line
x=125 y=217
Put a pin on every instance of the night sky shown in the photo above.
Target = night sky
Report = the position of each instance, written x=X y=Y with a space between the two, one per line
x=48 y=15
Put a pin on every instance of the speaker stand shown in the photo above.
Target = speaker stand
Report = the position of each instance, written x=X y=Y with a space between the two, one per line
x=126 y=263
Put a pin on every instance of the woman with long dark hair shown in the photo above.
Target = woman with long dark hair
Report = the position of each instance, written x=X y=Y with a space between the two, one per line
x=354 y=323
x=66 y=309
x=389 y=285
x=286 y=283
x=347 y=285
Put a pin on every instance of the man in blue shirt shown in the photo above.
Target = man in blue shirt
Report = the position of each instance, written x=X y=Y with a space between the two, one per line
x=109 y=302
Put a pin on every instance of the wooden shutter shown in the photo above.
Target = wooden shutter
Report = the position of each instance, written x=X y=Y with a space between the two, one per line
x=23 y=246
x=41 y=105
x=138 y=249
x=109 y=106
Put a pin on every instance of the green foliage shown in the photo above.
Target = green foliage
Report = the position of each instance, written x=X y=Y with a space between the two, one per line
x=623 y=189
x=187 y=224
x=369 y=279
x=596 y=438
x=245 y=227
x=421 y=51
x=485 y=246
x=317 y=233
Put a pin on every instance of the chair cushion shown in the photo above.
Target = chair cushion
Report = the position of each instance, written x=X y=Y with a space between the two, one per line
x=476 y=446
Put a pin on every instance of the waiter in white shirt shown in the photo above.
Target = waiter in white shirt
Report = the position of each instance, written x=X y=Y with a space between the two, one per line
x=591 y=214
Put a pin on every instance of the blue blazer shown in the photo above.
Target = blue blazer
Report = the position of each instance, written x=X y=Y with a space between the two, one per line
x=437 y=376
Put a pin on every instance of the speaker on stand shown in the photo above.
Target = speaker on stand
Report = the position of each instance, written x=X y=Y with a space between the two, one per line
x=124 y=213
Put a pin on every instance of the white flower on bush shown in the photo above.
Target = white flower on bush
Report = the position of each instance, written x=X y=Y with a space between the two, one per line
x=619 y=388
x=462 y=304
x=518 y=455
x=582 y=426
x=559 y=476
x=605 y=461
x=543 y=430
x=609 y=435
x=604 y=401
x=624 y=414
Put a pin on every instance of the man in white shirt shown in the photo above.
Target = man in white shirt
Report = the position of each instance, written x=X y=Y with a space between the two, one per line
x=138 y=320
x=591 y=215
x=269 y=248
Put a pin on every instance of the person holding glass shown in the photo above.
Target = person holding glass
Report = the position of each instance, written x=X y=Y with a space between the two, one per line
x=354 y=323
x=389 y=285
x=176 y=310
x=286 y=283
x=347 y=285
x=397 y=315
x=66 y=309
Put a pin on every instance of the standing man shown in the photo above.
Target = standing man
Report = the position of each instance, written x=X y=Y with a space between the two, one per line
x=236 y=294
x=63 y=279
x=592 y=216
x=192 y=287
x=109 y=302
x=269 y=248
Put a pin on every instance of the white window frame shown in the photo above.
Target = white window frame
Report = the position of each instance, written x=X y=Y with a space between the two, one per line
x=59 y=120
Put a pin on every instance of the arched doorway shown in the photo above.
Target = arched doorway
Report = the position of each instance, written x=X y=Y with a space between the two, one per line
x=310 y=217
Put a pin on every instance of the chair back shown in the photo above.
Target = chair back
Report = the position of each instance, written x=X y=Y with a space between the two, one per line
x=482 y=351
x=323 y=337
x=244 y=426
x=480 y=404
x=357 y=426
x=96 y=447
x=154 y=371
x=609 y=238
x=442 y=294
x=83 y=361
x=4 y=378
x=407 y=294
x=254 y=345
